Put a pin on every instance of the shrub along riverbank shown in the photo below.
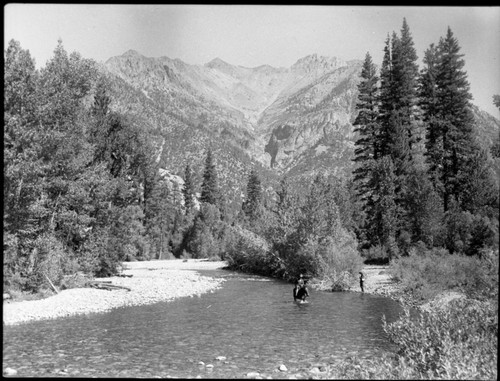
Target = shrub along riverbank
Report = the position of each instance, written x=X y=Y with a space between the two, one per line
x=454 y=340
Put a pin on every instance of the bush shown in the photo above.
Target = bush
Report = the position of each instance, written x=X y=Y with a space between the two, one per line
x=250 y=253
x=426 y=273
x=376 y=255
x=459 y=341
x=338 y=262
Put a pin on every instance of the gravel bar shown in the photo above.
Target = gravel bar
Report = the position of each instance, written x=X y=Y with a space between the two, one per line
x=151 y=282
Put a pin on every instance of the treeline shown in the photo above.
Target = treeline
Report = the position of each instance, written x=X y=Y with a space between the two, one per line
x=429 y=203
x=83 y=189
x=76 y=174
x=422 y=177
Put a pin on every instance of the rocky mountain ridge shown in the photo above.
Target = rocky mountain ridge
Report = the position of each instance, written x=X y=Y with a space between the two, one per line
x=312 y=99
x=295 y=120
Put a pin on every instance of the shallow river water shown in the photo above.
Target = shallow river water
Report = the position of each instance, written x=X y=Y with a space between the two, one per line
x=252 y=321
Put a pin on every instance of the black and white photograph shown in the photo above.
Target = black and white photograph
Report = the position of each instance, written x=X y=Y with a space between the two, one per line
x=251 y=191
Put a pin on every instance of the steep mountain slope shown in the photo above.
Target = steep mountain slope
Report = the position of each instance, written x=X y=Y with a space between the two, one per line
x=245 y=105
x=295 y=120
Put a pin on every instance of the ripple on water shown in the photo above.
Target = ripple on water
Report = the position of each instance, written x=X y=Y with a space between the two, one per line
x=252 y=321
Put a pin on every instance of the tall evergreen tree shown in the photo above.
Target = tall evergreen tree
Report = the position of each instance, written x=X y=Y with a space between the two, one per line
x=395 y=135
x=366 y=125
x=402 y=123
x=429 y=106
x=209 y=187
x=253 y=204
x=386 y=99
x=188 y=190
x=384 y=219
x=450 y=121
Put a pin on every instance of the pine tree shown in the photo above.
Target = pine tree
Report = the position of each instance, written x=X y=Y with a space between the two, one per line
x=405 y=71
x=429 y=106
x=188 y=190
x=383 y=223
x=450 y=122
x=253 y=203
x=402 y=122
x=394 y=137
x=209 y=187
x=366 y=125
x=386 y=100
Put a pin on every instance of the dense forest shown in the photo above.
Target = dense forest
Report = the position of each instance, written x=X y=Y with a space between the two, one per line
x=83 y=190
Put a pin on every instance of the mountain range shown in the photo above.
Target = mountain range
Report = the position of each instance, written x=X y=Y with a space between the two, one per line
x=295 y=120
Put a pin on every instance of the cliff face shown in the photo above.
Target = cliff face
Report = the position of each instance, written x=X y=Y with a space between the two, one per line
x=278 y=117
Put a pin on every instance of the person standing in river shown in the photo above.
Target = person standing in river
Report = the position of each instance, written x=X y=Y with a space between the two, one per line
x=300 y=292
x=361 y=281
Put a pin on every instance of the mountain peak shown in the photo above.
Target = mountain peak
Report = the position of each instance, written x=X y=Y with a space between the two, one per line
x=132 y=53
x=315 y=62
x=217 y=62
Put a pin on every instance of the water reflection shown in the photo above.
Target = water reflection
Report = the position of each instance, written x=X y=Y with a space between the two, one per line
x=251 y=321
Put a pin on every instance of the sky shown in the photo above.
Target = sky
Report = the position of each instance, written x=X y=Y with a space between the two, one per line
x=253 y=35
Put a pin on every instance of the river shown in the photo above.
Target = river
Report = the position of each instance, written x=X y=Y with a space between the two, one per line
x=251 y=321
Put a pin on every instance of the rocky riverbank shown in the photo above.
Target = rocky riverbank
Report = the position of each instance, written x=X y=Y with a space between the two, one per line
x=150 y=282
x=378 y=281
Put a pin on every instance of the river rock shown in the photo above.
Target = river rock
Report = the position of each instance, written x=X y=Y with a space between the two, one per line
x=201 y=363
x=253 y=374
x=210 y=366
x=315 y=370
x=9 y=372
x=221 y=358
x=282 y=368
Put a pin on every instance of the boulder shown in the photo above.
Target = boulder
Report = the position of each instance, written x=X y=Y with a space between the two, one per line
x=9 y=372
